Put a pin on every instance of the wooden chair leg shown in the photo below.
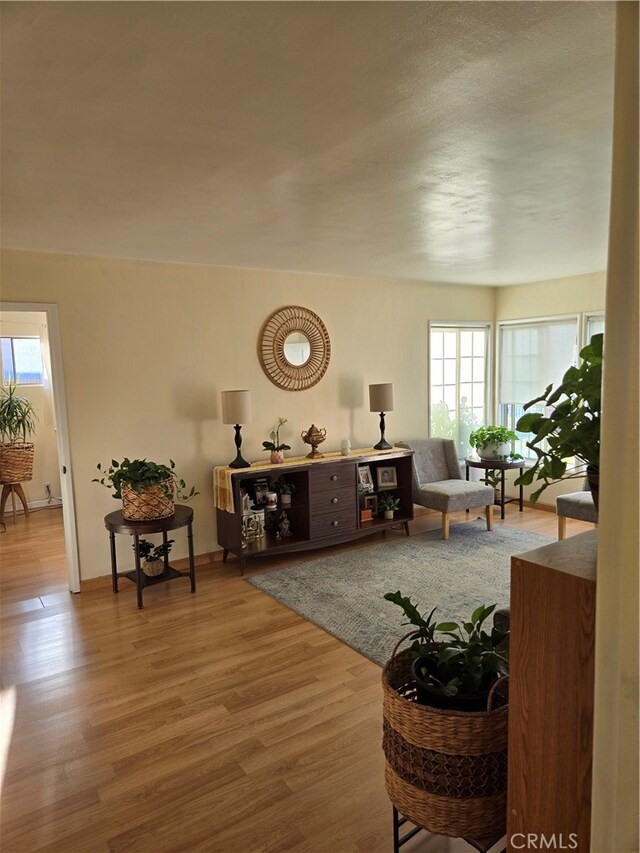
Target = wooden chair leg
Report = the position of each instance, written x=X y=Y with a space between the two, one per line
x=489 y=514
x=445 y=525
x=562 y=527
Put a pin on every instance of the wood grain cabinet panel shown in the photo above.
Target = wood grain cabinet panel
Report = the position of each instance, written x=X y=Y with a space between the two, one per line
x=551 y=694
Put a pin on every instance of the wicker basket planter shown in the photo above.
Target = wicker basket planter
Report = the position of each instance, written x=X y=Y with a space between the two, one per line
x=16 y=462
x=149 y=504
x=446 y=771
x=153 y=568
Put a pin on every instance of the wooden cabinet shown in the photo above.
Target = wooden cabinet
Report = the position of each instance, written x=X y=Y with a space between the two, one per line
x=325 y=506
x=551 y=694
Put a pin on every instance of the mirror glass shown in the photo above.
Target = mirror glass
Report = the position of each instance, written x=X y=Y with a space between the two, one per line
x=297 y=348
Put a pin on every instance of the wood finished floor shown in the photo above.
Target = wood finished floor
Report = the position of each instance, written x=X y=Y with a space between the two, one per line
x=220 y=721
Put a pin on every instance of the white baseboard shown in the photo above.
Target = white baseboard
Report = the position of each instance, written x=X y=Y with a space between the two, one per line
x=55 y=502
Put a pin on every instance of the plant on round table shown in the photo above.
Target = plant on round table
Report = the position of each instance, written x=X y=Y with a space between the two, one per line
x=572 y=430
x=490 y=441
x=457 y=672
x=140 y=474
x=17 y=415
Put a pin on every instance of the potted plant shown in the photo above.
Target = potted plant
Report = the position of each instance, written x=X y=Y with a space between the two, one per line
x=17 y=423
x=153 y=556
x=146 y=488
x=275 y=446
x=571 y=431
x=389 y=505
x=457 y=672
x=285 y=488
x=445 y=730
x=493 y=442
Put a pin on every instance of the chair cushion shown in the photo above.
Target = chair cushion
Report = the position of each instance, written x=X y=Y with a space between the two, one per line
x=578 y=505
x=452 y=495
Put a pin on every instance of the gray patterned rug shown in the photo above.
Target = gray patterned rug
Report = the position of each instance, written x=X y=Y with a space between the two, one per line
x=343 y=593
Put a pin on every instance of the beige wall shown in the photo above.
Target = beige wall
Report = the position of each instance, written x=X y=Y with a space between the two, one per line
x=45 y=463
x=570 y=295
x=147 y=348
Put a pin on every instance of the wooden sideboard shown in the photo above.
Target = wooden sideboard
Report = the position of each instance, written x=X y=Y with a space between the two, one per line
x=325 y=507
x=551 y=694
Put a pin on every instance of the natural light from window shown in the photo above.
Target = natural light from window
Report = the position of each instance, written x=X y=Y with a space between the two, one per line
x=21 y=361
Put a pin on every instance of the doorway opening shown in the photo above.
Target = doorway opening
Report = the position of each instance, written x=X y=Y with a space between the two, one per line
x=39 y=511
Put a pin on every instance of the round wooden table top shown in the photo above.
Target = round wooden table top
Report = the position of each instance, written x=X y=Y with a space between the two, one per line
x=117 y=523
x=494 y=463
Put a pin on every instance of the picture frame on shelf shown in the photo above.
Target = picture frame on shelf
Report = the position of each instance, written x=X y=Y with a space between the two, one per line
x=365 y=480
x=260 y=489
x=387 y=477
x=371 y=502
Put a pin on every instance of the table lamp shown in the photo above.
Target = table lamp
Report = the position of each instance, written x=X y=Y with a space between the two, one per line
x=236 y=409
x=381 y=400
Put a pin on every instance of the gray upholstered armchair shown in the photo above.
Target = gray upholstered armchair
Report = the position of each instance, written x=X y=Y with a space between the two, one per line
x=578 y=505
x=438 y=484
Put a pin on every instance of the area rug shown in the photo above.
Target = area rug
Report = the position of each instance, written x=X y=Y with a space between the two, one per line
x=343 y=593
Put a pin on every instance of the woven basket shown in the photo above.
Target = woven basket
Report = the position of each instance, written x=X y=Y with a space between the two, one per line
x=153 y=568
x=16 y=462
x=149 y=504
x=445 y=770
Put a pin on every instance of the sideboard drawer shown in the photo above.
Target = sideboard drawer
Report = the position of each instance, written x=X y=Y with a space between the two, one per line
x=327 y=523
x=332 y=499
x=326 y=477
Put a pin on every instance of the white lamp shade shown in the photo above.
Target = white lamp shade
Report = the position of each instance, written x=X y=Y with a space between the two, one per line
x=236 y=407
x=381 y=397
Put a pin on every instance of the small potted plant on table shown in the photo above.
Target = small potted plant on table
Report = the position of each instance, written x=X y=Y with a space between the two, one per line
x=17 y=423
x=285 y=488
x=153 y=556
x=389 y=505
x=276 y=447
x=493 y=442
x=147 y=489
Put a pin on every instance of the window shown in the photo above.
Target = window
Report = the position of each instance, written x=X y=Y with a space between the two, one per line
x=458 y=374
x=21 y=361
x=593 y=325
x=532 y=355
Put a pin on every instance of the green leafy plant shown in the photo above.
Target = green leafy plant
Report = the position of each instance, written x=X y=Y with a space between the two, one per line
x=572 y=430
x=284 y=487
x=17 y=415
x=389 y=503
x=485 y=436
x=150 y=553
x=140 y=474
x=458 y=430
x=467 y=662
x=274 y=435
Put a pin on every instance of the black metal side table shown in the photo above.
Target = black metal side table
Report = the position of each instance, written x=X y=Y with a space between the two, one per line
x=498 y=465
x=115 y=522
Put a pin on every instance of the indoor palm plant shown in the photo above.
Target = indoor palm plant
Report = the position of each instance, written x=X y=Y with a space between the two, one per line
x=566 y=439
x=147 y=489
x=17 y=423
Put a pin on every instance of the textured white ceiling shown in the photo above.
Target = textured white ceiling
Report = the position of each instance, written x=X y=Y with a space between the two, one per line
x=456 y=142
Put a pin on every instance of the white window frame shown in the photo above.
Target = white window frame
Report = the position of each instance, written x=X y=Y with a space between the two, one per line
x=489 y=368
x=584 y=323
x=13 y=338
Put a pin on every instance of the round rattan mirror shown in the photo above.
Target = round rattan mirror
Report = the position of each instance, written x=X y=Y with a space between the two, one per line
x=294 y=348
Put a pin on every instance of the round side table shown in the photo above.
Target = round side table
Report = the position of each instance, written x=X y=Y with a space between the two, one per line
x=115 y=522
x=498 y=465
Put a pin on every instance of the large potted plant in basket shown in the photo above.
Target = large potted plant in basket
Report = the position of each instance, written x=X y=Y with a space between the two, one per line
x=445 y=724
x=147 y=489
x=17 y=423
x=566 y=439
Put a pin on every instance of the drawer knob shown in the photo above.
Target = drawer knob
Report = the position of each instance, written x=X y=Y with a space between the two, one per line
x=334 y=500
x=335 y=523
x=334 y=477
